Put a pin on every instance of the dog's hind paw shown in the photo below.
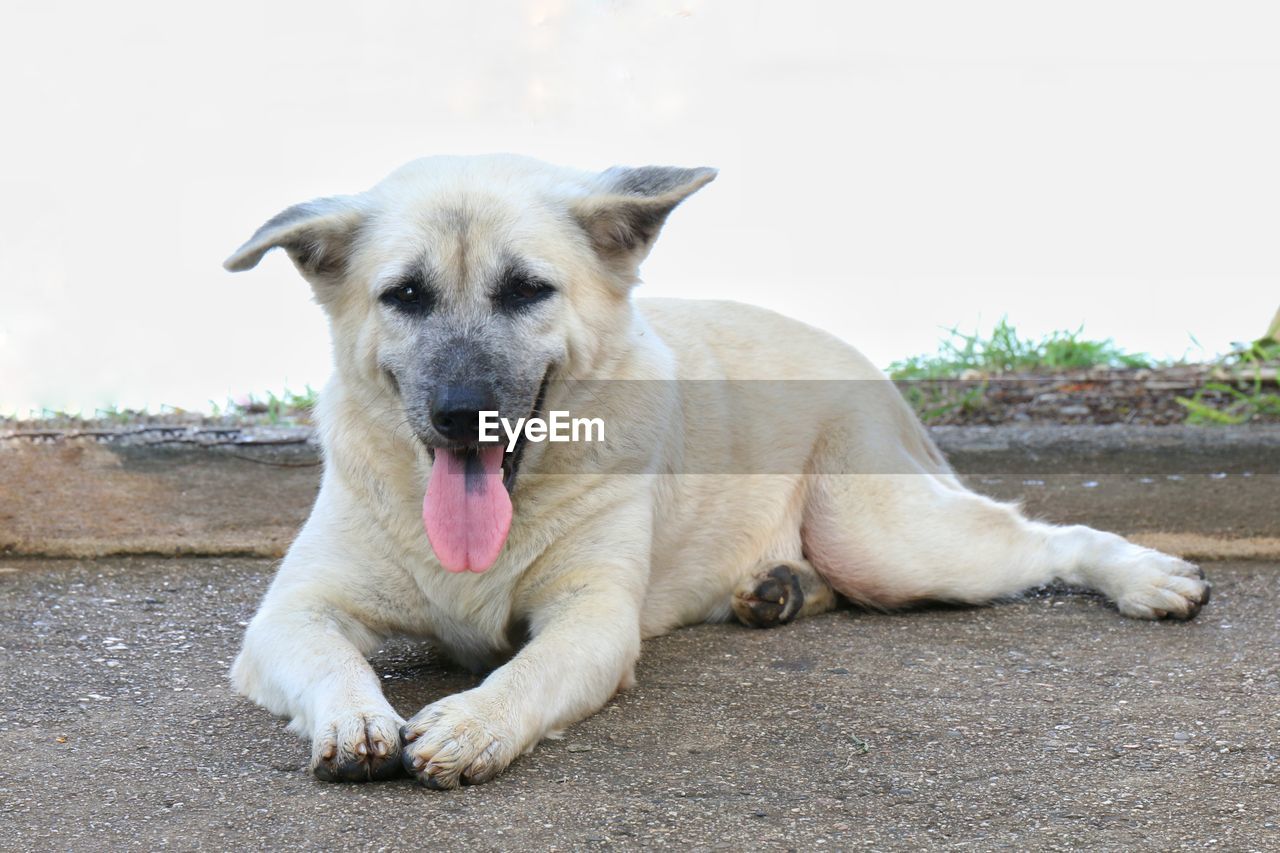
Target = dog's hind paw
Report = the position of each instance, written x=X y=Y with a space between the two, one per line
x=1157 y=586
x=357 y=747
x=771 y=597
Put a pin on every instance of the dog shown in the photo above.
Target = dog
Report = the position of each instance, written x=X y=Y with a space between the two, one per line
x=500 y=284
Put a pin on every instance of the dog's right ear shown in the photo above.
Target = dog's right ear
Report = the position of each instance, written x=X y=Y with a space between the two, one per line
x=316 y=234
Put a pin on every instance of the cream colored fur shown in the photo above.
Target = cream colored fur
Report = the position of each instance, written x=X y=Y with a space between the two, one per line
x=601 y=557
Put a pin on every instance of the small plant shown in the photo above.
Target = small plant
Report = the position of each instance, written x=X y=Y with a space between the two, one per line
x=306 y=400
x=116 y=415
x=933 y=401
x=285 y=406
x=1242 y=397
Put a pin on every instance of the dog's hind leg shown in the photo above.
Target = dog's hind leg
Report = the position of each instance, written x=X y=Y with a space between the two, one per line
x=889 y=540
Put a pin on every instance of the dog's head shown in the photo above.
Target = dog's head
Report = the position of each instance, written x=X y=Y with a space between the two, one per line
x=460 y=285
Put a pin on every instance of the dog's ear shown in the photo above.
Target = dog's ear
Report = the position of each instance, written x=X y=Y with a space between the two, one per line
x=627 y=207
x=316 y=234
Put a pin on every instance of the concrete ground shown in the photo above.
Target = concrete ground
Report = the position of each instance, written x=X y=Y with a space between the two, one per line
x=1046 y=723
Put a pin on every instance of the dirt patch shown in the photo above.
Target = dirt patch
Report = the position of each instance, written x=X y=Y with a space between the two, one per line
x=81 y=499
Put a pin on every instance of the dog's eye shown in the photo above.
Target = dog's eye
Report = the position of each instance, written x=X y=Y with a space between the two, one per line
x=410 y=296
x=521 y=291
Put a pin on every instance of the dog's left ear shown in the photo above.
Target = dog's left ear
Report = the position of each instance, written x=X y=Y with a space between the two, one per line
x=316 y=234
x=628 y=207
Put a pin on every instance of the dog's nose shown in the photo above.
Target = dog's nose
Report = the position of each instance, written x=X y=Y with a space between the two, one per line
x=455 y=414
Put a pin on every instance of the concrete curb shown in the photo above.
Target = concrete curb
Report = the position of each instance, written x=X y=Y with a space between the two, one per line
x=1112 y=449
x=201 y=490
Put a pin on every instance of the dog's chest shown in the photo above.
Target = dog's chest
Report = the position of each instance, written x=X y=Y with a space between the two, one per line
x=469 y=615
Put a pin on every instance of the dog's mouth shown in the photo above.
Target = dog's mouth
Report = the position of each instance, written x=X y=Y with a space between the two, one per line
x=511 y=456
x=467 y=508
x=473 y=459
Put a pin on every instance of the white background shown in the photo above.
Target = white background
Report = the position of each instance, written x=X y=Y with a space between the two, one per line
x=887 y=168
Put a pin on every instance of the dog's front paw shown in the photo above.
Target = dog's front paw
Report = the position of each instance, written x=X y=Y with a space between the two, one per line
x=357 y=747
x=1157 y=586
x=458 y=740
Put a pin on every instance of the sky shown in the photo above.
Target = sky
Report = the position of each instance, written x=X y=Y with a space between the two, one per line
x=887 y=169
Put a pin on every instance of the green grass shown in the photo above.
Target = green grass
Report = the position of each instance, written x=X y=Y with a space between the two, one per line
x=1238 y=388
x=287 y=407
x=1243 y=397
x=1005 y=351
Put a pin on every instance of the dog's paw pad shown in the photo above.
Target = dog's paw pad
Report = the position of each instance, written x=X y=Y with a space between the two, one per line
x=357 y=747
x=769 y=598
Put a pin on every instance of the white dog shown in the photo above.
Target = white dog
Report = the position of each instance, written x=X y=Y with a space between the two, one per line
x=498 y=284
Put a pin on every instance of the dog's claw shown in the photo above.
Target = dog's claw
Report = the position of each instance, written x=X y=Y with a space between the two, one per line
x=1194 y=609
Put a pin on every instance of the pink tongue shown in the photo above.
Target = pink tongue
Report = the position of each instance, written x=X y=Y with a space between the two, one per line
x=467 y=511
